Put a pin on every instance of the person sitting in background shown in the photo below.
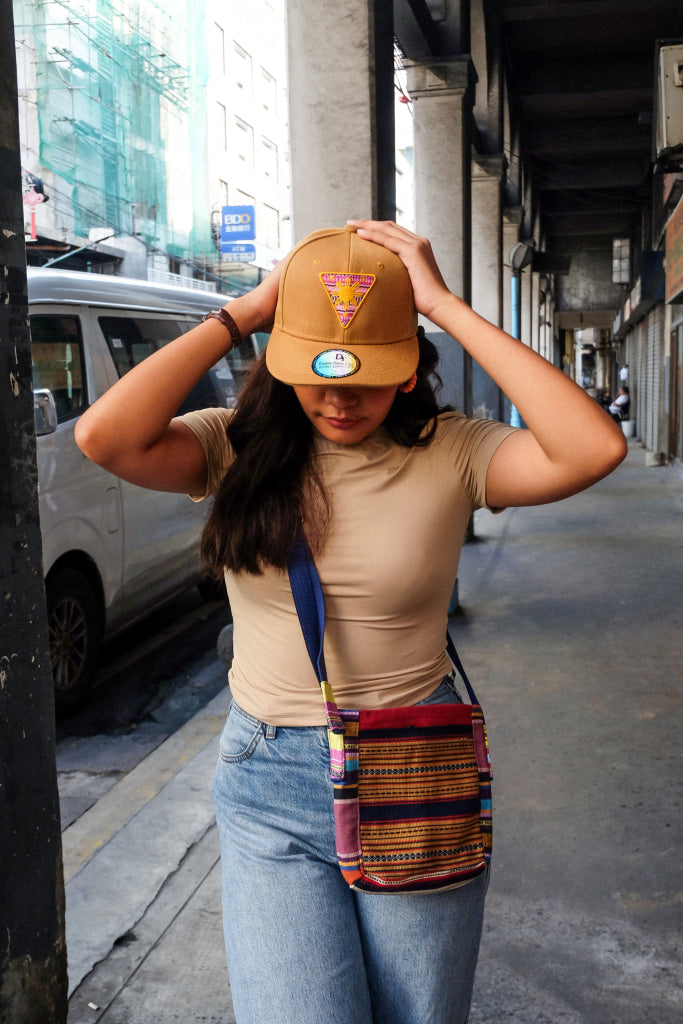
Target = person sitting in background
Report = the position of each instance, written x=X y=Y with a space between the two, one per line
x=619 y=407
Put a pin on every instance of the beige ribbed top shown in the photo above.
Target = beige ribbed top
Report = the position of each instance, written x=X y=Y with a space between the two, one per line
x=387 y=570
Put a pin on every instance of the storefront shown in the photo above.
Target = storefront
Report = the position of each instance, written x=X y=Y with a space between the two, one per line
x=673 y=343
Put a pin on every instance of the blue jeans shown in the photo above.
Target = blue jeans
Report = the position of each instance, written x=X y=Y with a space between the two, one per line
x=303 y=947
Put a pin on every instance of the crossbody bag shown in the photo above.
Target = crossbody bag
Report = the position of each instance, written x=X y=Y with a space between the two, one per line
x=412 y=785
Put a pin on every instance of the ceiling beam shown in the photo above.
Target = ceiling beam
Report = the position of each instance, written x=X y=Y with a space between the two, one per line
x=598 y=223
x=590 y=136
x=596 y=103
x=414 y=29
x=577 y=319
x=570 y=201
x=579 y=10
x=584 y=74
x=616 y=172
x=579 y=243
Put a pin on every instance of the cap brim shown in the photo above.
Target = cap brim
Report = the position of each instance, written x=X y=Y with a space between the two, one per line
x=292 y=360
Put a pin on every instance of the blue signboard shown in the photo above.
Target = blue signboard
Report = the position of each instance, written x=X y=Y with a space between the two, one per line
x=238 y=224
x=238 y=252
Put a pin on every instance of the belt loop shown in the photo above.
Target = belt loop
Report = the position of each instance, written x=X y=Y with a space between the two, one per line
x=270 y=731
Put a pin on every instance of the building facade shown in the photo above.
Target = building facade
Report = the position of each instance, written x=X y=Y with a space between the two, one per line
x=524 y=152
x=139 y=119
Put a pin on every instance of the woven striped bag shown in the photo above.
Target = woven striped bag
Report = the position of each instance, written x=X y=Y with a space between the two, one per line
x=412 y=785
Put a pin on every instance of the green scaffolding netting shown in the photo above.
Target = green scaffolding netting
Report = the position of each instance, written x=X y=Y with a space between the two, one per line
x=120 y=91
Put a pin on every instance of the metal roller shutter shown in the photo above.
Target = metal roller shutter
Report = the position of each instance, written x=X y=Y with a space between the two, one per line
x=653 y=328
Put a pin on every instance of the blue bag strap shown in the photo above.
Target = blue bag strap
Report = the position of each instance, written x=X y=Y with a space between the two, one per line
x=455 y=658
x=309 y=603
x=310 y=606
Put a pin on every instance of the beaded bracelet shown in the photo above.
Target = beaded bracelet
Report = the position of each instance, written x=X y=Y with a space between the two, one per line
x=227 y=321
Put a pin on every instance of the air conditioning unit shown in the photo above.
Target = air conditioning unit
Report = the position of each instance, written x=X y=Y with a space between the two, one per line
x=668 y=128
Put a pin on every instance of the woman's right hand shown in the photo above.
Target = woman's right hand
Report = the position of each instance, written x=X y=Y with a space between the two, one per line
x=129 y=430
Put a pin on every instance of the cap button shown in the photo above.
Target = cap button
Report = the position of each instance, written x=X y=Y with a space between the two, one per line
x=350 y=227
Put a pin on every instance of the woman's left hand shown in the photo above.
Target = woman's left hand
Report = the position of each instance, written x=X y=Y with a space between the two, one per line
x=559 y=454
x=429 y=287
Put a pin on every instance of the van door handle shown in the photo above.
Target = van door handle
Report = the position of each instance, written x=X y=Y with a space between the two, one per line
x=113 y=510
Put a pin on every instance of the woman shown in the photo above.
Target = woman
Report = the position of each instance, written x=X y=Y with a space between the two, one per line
x=339 y=429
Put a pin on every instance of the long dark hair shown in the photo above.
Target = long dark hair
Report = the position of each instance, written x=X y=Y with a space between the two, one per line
x=273 y=486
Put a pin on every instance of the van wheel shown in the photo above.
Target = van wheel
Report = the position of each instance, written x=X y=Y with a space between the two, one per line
x=75 y=632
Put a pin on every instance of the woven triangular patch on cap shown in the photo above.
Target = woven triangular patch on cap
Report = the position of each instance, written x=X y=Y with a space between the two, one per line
x=346 y=292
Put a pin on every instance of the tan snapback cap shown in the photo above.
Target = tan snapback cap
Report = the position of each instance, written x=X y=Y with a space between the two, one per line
x=345 y=314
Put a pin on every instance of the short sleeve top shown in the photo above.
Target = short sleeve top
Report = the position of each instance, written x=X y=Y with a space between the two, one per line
x=387 y=568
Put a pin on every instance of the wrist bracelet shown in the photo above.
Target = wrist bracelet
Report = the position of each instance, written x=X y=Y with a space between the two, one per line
x=227 y=321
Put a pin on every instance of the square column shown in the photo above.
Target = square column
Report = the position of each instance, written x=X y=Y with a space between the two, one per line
x=487 y=269
x=442 y=95
x=536 y=336
x=341 y=112
x=487 y=238
x=512 y=220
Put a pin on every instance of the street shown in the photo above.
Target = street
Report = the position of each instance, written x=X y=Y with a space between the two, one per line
x=149 y=684
x=570 y=627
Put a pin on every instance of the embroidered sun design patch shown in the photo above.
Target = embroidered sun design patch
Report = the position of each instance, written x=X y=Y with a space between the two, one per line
x=346 y=292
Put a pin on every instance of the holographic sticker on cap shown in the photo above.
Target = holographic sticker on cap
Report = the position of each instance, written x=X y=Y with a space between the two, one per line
x=335 y=363
x=346 y=292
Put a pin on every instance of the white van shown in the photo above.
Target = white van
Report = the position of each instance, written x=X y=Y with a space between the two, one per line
x=112 y=552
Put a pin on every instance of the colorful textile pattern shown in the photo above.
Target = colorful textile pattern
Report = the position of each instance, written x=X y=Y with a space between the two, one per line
x=412 y=785
x=346 y=292
x=413 y=811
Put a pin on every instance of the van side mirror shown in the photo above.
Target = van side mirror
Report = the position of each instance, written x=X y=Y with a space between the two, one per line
x=44 y=412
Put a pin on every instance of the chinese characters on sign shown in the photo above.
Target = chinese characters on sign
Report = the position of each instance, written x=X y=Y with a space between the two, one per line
x=238 y=225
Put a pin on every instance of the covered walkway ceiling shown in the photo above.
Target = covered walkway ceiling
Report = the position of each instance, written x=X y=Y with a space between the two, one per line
x=581 y=76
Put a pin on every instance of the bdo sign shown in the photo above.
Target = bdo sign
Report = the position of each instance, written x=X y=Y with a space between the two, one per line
x=238 y=224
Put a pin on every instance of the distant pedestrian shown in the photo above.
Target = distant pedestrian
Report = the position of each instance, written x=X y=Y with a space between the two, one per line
x=338 y=433
x=619 y=407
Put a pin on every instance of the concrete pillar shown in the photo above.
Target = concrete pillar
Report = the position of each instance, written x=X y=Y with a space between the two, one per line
x=487 y=269
x=33 y=979
x=442 y=103
x=543 y=303
x=512 y=219
x=578 y=360
x=535 y=314
x=525 y=303
x=602 y=359
x=341 y=113
x=487 y=238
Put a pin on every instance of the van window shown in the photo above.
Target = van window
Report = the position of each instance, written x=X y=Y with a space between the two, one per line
x=57 y=357
x=131 y=339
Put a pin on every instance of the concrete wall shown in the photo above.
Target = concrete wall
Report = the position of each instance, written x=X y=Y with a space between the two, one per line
x=588 y=285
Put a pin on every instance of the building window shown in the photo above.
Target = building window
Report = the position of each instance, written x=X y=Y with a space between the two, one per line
x=222 y=125
x=269 y=158
x=219 y=49
x=223 y=192
x=270 y=226
x=621 y=261
x=244 y=142
x=268 y=92
x=240 y=198
x=242 y=76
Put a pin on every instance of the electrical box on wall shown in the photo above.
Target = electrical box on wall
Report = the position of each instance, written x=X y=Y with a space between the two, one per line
x=669 y=106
